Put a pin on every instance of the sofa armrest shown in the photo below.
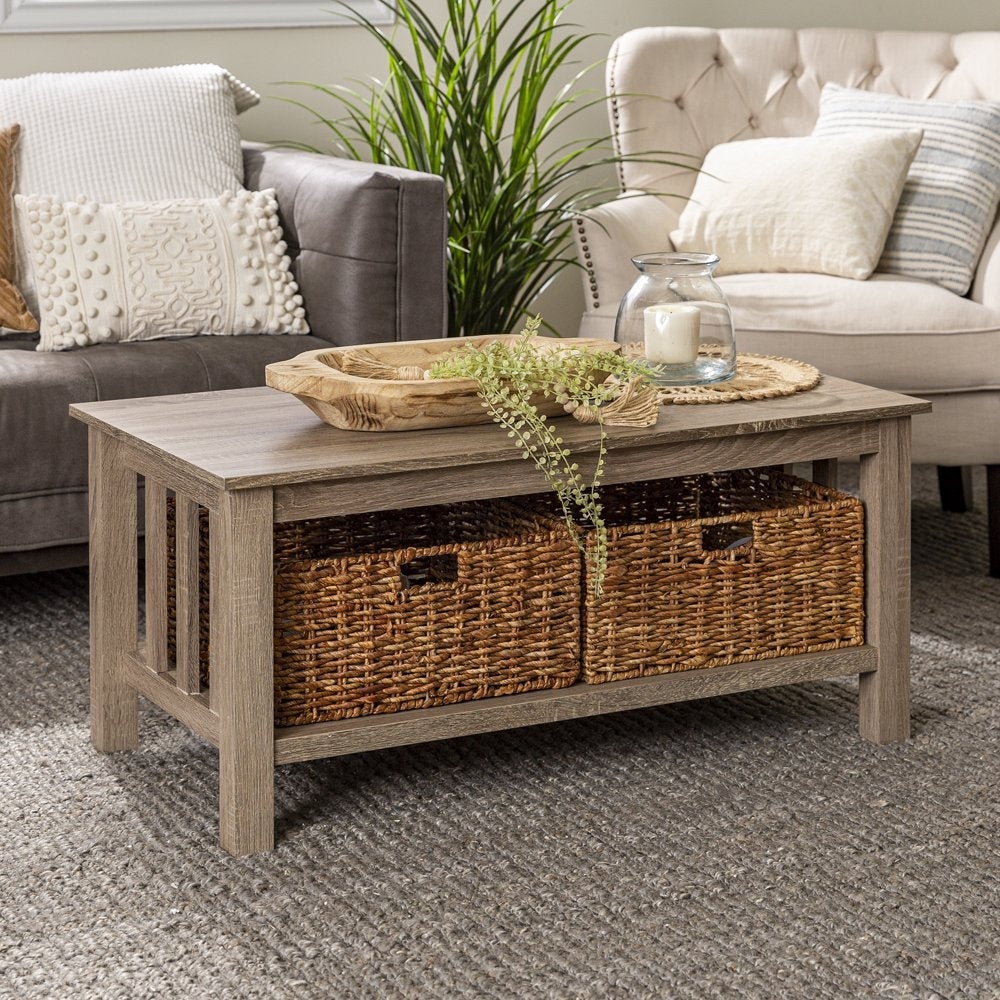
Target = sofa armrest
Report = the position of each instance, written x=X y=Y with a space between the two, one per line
x=610 y=235
x=368 y=243
x=986 y=283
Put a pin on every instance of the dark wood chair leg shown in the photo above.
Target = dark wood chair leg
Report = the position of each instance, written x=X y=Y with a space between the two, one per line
x=955 y=487
x=993 y=516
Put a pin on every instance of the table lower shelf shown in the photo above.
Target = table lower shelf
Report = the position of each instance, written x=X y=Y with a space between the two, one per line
x=375 y=732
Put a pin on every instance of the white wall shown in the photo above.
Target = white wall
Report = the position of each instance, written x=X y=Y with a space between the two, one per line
x=263 y=57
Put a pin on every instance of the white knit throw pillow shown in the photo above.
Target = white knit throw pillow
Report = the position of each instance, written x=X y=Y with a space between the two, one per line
x=128 y=135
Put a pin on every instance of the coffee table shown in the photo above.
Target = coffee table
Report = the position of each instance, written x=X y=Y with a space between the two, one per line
x=255 y=457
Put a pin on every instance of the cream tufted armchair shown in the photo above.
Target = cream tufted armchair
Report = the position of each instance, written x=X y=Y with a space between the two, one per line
x=688 y=89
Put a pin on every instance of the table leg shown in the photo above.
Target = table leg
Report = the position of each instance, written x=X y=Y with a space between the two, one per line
x=885 y=490
x=114 y=705
x=242 y=667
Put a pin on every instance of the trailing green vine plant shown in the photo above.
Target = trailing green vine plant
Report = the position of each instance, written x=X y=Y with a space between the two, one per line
x=595 y=386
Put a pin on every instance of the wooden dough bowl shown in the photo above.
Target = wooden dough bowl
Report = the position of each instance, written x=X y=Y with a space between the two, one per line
x=357 y=403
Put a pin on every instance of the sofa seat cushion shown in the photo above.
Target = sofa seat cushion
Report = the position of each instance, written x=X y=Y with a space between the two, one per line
x=916 y=337
x=44 y=451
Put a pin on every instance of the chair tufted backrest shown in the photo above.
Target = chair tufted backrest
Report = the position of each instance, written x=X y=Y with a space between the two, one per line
x=685 y=90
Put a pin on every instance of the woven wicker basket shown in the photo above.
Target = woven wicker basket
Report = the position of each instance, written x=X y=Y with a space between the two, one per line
x=723 y=568
x=395 y=610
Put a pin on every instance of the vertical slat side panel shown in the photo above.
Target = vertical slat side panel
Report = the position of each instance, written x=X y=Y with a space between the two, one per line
x=188 y=591
x=156 y=576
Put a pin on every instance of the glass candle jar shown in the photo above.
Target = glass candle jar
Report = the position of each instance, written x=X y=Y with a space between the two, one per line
x=677 y=317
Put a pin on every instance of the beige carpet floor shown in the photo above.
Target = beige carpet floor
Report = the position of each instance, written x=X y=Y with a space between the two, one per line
x=749 y=846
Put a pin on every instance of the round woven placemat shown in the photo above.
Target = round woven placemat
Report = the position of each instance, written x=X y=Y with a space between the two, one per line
x=758 y=376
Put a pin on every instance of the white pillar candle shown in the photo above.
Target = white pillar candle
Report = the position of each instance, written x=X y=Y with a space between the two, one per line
x=672 y=333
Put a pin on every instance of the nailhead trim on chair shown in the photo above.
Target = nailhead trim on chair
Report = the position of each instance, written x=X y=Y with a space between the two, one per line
x=588 y=263
x=615 y=113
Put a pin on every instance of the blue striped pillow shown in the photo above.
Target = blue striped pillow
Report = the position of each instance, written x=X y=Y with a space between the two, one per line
x=953 y=187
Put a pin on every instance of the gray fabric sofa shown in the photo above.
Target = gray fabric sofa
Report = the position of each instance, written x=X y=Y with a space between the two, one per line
x=368 y=245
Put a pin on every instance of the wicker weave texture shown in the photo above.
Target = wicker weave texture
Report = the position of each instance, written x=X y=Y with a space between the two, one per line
x=677 y=597
x=388 y=611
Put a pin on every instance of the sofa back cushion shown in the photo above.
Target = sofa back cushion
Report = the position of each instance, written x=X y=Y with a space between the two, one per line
x=367 y=243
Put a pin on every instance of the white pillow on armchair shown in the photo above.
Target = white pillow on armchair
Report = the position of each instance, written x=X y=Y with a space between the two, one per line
x=819 y=204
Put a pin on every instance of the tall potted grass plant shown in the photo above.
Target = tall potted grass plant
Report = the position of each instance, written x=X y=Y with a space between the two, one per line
x=481 y=100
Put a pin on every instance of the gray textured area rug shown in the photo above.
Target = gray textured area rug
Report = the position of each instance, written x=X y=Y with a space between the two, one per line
x=747 y=846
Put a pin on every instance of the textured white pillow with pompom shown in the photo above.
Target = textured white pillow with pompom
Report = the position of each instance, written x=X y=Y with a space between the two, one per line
x=149 y=270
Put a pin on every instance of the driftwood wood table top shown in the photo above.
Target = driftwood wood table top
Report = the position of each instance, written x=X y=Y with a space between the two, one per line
x=246 y=438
